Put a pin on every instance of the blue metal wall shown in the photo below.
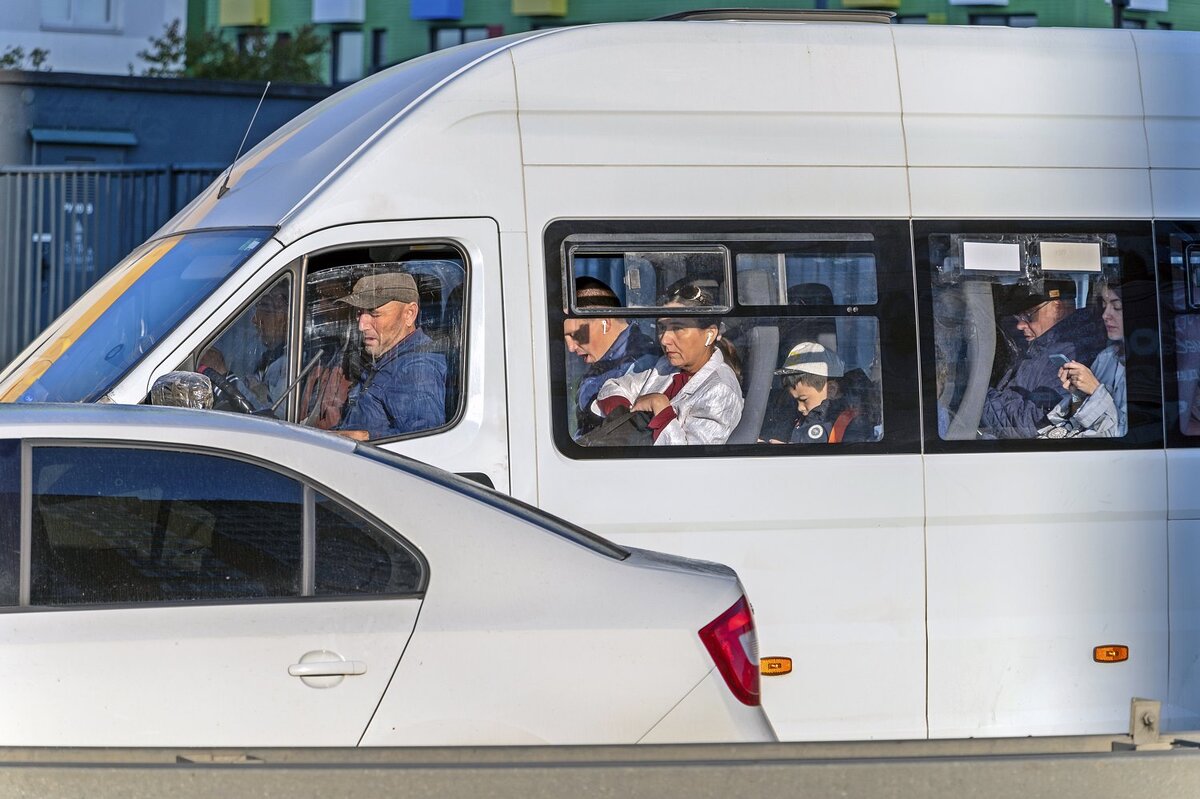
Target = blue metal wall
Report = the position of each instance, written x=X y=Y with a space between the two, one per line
x=62 y=228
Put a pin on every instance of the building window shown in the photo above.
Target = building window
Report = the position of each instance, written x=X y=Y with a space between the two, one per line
x=378 y=49
x=444 y=37
x=283 y=38
x=347 y=56
x=913 y=19
x=1009 y=20
x=1133 y=24
x=79 y=14
x=1166 y=26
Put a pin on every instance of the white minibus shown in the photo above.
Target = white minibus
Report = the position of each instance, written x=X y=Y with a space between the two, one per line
x=917 y=210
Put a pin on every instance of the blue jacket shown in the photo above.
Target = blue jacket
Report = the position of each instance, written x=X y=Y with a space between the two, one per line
x=1016 y=407
x=403 y=391
x=632 y=351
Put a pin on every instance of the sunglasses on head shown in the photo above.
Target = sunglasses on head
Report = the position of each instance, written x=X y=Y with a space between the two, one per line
x=691 y=293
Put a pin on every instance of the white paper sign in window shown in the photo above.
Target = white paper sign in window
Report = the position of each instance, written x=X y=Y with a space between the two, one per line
x=1070 y=256
x=991 y=256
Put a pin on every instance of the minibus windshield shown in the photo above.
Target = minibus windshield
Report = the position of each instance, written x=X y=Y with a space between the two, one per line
x=98 y=339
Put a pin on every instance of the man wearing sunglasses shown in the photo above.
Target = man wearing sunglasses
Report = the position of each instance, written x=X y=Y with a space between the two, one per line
x=608 y=345
x=1017 y=405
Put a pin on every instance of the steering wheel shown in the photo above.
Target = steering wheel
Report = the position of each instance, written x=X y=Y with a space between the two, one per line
x=226 y=394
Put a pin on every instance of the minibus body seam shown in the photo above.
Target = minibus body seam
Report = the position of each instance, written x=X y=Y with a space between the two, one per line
x=1137 y=60
x=904 y=144
x=529 y=299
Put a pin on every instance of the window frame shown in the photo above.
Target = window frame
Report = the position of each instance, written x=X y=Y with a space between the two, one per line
x=594 y=247
x=894 y=310
x=338 y=39
x=292 y=272
x=1139 y=315
x=304 y=269
x=980 y=19
x=462 y=30
x=309 y=489
x=299 y=268
x=73 y=25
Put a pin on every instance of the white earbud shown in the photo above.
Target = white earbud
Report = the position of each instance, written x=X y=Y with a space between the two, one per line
x=604 y=325
x=708 y=341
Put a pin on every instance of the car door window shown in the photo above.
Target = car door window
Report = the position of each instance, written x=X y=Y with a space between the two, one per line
x=354 y=557
x=119 y=525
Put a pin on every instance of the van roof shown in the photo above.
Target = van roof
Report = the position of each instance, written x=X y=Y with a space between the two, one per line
x=365 y=145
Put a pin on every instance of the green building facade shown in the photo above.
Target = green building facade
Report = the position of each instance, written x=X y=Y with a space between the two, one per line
x=368 y=35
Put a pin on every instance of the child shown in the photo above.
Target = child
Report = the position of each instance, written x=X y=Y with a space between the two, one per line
x=810 y=374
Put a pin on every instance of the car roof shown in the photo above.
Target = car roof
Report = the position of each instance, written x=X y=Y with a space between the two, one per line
x=150 y=423
x=143 y=421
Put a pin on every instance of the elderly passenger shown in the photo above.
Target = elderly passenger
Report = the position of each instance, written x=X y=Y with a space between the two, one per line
x=1016 y=407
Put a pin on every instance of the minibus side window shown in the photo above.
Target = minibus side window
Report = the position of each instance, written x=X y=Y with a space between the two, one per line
x=1036 y=334
x=826 y=384
x=645 y=276
x=773 y=351
x=1179 y=273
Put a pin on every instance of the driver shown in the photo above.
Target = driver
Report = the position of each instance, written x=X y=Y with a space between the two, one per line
x=263 y=384
x=402 y=388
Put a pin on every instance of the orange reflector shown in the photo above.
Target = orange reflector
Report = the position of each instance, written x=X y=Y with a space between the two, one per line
x=1110 y=653
x=774 y=667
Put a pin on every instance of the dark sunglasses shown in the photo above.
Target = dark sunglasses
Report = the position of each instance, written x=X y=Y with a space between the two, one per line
x=581 y=334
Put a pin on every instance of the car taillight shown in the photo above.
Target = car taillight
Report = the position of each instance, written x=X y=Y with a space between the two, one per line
x=733 y=645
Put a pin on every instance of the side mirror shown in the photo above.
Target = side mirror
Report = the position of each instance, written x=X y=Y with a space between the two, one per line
x=182 y=390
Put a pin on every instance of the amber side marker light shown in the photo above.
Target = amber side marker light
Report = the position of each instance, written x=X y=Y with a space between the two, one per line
x=1110 y=653
x=774 y=667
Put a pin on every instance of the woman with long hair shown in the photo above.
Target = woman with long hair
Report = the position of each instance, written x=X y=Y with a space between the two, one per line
x=1097 y=405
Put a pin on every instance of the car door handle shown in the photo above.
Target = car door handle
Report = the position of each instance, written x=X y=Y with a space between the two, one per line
x=327 y=668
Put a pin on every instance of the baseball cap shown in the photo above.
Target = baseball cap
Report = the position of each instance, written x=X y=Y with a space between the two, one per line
x=811 y=357
x=1051 y=290
x=373 y=291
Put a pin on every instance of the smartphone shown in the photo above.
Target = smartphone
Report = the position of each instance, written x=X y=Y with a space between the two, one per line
x=1060 y=360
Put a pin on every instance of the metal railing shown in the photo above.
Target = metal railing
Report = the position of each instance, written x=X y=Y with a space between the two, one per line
x=62 y=228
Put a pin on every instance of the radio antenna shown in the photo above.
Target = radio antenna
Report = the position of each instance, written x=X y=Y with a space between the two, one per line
x=229 y=172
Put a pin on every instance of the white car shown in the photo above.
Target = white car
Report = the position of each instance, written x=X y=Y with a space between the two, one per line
x=171 y=577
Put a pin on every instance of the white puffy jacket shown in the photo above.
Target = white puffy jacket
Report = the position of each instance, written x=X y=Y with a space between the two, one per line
x=706 y=409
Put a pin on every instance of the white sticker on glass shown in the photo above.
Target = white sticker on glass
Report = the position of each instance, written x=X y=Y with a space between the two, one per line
x=991 y=256
x=1070 y=256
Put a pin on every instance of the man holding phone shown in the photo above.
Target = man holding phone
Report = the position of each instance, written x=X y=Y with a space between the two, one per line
x=1055 y=332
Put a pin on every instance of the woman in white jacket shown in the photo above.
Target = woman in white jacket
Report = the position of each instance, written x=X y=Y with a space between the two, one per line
x=692 y=393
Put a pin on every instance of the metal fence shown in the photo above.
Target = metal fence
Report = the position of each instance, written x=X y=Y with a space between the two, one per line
x=62 y=228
